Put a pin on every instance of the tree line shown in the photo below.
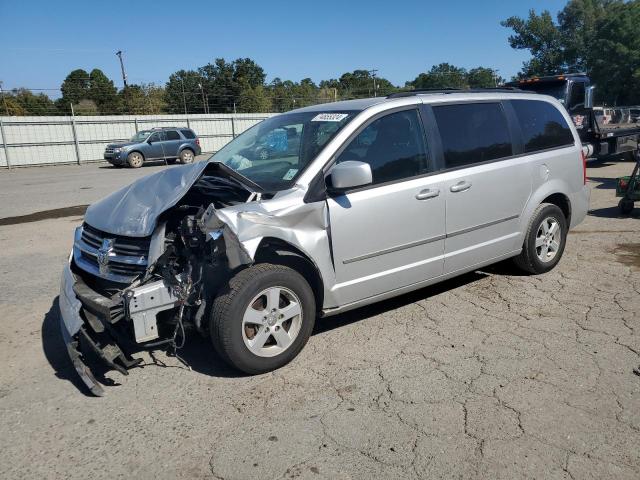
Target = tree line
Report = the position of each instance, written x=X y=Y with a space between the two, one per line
x=600 y=37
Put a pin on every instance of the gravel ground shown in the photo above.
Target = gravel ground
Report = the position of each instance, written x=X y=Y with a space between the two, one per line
x=490 y=375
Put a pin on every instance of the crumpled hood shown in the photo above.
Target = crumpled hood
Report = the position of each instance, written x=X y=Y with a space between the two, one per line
x=133 y=210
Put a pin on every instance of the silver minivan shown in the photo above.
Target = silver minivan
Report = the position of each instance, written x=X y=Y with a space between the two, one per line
x=372 y=199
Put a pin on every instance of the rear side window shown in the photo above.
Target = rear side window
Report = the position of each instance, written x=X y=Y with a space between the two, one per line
x=473 y=133
x=188 y=134
x=393 y=145
x=172 y=135
x=542 y=124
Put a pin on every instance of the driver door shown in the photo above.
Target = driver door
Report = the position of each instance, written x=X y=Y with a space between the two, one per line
x=389 y=234
x=155 y=147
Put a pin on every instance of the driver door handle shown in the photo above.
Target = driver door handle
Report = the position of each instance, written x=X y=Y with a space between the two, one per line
x=428 y=193
x=461 y=186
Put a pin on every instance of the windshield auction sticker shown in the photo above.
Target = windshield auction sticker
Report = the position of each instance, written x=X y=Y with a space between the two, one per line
x=329 y=117
x=290 y=174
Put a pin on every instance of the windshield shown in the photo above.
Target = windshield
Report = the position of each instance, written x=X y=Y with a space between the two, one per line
x=558 y=90
x=276 y=151
x=141 y=136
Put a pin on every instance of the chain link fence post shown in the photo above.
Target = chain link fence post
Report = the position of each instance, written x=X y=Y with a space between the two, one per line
x=233 y=127
x=4 y=144
x=75 y=135
x=135 y=121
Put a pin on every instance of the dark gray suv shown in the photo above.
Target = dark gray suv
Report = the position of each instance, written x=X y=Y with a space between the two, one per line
x=167 y=143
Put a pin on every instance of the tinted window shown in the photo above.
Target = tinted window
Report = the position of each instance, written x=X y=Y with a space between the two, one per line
x=472 y=133
x=393 y=145
x=188 y=134
x=542 y=124
x=577 y=96
x=172 y=135
x=156 y=137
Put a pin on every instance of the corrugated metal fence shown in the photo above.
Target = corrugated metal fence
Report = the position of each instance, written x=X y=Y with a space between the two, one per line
x=26 y=141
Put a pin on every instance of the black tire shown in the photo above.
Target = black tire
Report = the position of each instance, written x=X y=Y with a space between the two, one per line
x=625 y=206
x=529 y=260
x=226 y=323
x=187 y=156
x=135 y=159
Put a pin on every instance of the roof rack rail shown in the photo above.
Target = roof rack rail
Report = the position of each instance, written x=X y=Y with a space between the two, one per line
x=424 y=91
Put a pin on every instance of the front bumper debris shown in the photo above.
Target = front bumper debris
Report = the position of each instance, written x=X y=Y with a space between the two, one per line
x=86 y=322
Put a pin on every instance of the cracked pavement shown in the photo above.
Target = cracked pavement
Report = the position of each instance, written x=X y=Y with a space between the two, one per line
x=490 y=375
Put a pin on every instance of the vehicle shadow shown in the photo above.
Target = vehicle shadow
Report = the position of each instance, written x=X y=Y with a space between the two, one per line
x=55 y=350
x=198 y=353
x=379 y=308
x=605 y=183
x=613 y=212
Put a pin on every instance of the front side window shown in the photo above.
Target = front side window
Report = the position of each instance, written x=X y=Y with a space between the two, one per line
x=473 y=133
x=141 y=136
x=393 y=145
x=157 y=137
x=542 y=125
x=276 y=151
x=172 y=135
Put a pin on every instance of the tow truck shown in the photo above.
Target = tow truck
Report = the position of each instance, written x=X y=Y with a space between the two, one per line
x=600 y=138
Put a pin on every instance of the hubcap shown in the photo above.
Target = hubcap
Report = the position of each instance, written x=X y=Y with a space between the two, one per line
x=548 y=239
x=187 y=157
x=272 y=321
x=136 y=160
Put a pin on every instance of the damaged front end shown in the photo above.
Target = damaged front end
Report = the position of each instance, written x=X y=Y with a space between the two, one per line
x=140 y=281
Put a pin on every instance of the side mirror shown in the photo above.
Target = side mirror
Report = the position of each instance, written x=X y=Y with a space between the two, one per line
x=349 y=174
x=149 y=141
x=588 y=97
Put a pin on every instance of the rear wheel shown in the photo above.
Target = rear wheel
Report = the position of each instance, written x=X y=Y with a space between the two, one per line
x=135 y=159
x=186 y=156
x=263 y=319
x=545 y=240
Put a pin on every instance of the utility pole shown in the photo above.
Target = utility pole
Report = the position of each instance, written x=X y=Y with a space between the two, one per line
x=124 y=74
x=373 y=72
x=184 y=99
x=204 y=105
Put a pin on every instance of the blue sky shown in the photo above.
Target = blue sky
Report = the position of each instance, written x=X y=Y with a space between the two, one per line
x=40 y=42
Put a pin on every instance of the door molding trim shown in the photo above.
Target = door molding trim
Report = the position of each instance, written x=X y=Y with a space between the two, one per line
x=482 y=225
x=394 y=249
x=404 y=246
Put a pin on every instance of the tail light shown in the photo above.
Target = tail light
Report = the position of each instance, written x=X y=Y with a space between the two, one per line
x=198 y=141
x=584 y=168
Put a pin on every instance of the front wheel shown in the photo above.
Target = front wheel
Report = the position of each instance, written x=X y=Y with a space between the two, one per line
x=263 y=319
x=135 y=159
x=186 y=156
x=544 y=241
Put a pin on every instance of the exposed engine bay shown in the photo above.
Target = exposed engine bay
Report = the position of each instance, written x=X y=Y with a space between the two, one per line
x=142 y=292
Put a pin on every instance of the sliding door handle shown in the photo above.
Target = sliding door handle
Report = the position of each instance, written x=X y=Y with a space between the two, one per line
x=428 y=193
x=461 y=186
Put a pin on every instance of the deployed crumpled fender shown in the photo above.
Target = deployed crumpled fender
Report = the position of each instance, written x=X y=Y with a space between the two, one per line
x=134 y=210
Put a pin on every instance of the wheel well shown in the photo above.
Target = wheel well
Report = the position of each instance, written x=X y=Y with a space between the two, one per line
x=562 y=202
x=276 y=251
x=187 y=148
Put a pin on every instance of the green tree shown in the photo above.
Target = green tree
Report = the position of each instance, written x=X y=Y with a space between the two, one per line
x=75 y=87
x=542 y=37
x=482 y=77
x=443 y=75
x=614 y=58
x=182 y=92
x=26 y=103
x=103 y=93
